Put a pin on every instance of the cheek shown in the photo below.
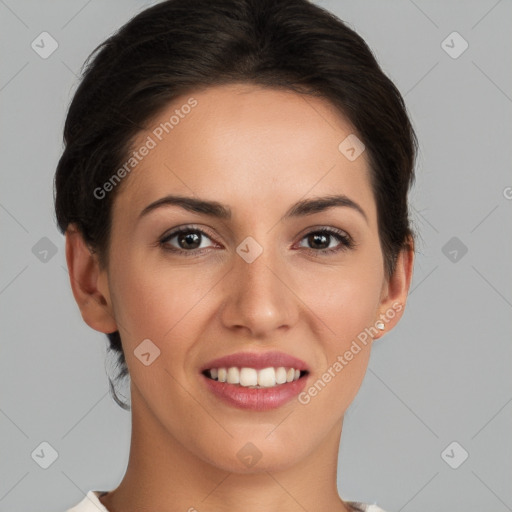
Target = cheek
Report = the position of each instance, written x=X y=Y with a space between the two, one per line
x=154 y=299
x=344 y=299
x=345 y=310
x=345 y=304
x=328 y=395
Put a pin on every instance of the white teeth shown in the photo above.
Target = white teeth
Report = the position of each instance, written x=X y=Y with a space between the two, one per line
x=267 y=377
x=280 y=375
x=233 y=375
x=250 y=377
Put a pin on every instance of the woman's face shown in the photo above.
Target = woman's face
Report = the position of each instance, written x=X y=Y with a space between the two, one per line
x=260 y=280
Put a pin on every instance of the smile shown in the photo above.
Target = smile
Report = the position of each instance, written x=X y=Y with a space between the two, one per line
x=255 y=378
x=257 y=381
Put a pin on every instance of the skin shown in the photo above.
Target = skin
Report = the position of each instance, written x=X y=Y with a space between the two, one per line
x=243 y=146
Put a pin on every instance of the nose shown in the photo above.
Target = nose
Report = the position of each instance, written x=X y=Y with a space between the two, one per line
x=259 y=297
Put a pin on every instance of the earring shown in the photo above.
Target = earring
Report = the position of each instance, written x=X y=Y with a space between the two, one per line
x=380 y=325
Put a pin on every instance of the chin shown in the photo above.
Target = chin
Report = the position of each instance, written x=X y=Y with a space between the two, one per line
x=252 y=457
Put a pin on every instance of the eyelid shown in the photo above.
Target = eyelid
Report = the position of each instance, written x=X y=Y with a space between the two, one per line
x=188 y=227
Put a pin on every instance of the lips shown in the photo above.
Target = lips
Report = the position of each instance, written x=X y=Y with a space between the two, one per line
x=257 y=360
x=270 y=394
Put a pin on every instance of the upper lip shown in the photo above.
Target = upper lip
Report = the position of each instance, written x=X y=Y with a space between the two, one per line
x=257 y=360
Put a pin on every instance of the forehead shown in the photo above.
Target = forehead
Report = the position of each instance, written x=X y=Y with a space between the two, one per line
x=245 y=146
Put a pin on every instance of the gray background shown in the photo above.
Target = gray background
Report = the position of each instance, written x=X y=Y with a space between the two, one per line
x=442 y=375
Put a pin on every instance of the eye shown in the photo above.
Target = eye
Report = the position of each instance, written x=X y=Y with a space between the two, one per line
x=321 y=237
x=188 y=239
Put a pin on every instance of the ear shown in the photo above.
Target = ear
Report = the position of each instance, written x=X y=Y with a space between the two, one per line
x=396 y=289
x=89 y=283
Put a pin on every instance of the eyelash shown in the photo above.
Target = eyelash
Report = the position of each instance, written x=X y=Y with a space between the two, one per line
x=346 y=241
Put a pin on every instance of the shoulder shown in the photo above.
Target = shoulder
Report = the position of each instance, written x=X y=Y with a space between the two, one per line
x=90 y=503
x=364 y=507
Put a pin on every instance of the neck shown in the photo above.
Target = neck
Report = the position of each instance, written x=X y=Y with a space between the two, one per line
x=164 y=475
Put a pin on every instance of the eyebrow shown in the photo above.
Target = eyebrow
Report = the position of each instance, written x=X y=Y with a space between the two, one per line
x=221 y=211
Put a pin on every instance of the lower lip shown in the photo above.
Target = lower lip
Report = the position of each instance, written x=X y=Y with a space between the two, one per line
x=256 y=399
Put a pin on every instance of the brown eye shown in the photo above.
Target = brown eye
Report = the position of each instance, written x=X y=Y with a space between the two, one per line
x=319 y=241
x=187 y=240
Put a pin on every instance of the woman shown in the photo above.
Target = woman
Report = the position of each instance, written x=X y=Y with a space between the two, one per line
x=233 y=192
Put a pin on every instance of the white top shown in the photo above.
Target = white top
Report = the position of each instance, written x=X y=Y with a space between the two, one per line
x=91 y=503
